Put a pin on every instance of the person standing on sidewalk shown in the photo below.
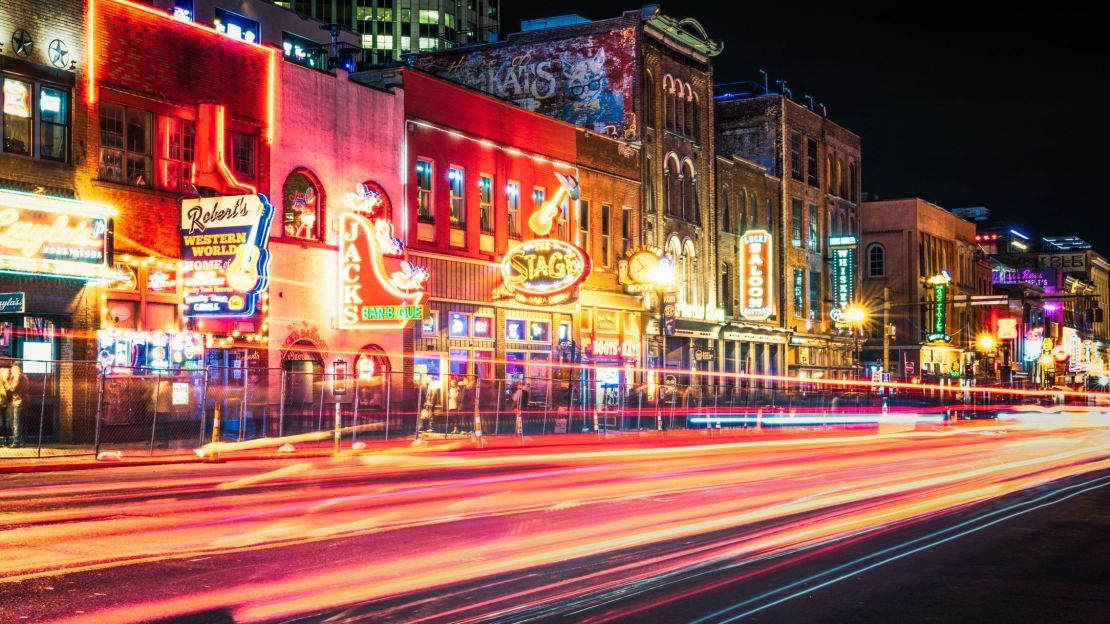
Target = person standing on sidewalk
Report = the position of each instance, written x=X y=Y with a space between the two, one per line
x=5 y=426
x=16 y=387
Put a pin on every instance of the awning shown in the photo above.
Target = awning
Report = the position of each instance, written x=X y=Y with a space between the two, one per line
x=686 y=328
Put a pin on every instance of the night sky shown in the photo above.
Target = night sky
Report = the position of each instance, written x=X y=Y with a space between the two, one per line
x=998 y=107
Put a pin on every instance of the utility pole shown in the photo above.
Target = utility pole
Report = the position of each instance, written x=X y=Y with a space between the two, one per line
x=886 y=329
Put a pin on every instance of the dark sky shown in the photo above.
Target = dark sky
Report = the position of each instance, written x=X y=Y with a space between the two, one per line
x=1002 y=107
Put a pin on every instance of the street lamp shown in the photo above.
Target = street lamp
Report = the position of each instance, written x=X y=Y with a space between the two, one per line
x=662 y=276
x=986 y=343
x=855 y=315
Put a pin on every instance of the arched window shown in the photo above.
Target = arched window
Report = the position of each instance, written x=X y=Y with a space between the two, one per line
x=839 y=187
x=303 y=206
x=695 y=109
x=726 y=287
x=669 y=182
x=770 y=216
x=649 y=100
x=690 y=274
x=753 y=212
x=688 y=123
x=726 y=218
x=876 y=260
x=852 y=197
x=830 y=187
x=742 y=206
x=690 y=210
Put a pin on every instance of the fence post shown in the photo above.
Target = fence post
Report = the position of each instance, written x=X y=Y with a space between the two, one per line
x=99 y=411
x=639 y=407
x=215 y=454
x=497 y=408
x=281 y=404
x=354 y=414
x=478 y=414
x=419 y=405
x=546 y=404
x=42 y=411
x=203 y=406
x=154 y=419
x=388 y=380
x=338 y=426
x=716 y=407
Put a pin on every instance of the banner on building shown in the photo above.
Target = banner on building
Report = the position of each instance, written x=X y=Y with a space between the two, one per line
x=670 y=303
x=223 y=250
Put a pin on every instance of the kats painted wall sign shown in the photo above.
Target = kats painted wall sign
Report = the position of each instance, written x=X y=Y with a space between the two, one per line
x=223 y=249
x=756 y=281
x=378 y=287
x=53 y=236
x=584 y=80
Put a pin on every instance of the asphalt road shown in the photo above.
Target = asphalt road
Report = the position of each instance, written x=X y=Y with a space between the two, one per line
x=1003 y=524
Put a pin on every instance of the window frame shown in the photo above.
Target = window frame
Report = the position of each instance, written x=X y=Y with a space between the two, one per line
x=456 y=202
x=485 y=203
x=796 y=170
x=425 y=197
x=181 y=162
x=512 y=208
x=796 y=239
x=35 y=121
x=127 y=155
x=606 y=234
x=879 y=247
x=318 y=233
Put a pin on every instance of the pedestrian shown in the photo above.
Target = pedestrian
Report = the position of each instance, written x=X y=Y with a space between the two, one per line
x=16 y=387
x=5 y=426
x=431 y=402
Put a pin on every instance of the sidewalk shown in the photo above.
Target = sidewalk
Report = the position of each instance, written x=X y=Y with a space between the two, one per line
x=81 y=458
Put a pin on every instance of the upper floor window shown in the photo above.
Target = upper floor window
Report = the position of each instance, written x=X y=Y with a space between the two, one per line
x=814 y=239
x=796 y=222
x=424 y=213
x=456 y=179
x=726 y=218
x=796 y=156
x=244 y=157
x=584 y=224
x=753 y=213
x=649 y=100
x=303 y=206
x=485 y=202
x=742 y=205
x=876 y=260
x=126 y=145
x=177 y=143
x=512 y=201
x=36 y=119
x=811 y=162
x=606 y=232
x=626 y=229
x=726 y=287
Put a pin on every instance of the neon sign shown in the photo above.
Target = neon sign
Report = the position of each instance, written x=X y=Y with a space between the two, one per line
x=57 y=236
x=940 y=287
x=377 y=285
x=223 y=246
x=546 y=271
x=843 y=250
x=756 y=285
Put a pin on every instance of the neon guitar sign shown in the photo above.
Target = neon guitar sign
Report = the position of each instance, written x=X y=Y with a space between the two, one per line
x=223 y=246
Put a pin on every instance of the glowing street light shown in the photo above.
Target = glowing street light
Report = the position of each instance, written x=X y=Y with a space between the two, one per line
x=855 y=315
x=986 y=342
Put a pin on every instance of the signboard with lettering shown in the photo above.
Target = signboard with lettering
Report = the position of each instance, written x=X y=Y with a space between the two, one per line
x=756 y=278
x=1046 y=276
x=1064 y=261
x=378 y=287
x=53 y=236
x=544 y=271
x=1007 y=328
x=223 y=248
x=670 y=301
x=13 y=303
x=843 y=252
x=940 y=320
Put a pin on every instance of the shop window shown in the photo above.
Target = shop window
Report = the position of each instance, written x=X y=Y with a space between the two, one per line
x=176 y=151
x=426 y=369
x=540 y=332
x=483 y=365
x=424 y=213
x=564 y=331
x=456 y=178
x=303 y=206
x=485 y=202
x=458 y=325
x=514 y=329
x=429 y=327
x=459 y=365
x=514 y=365
x=243 y=155
x=125 y=145
x=512 y=201
x=18 y=112
x=483 y=327
x=606 y=227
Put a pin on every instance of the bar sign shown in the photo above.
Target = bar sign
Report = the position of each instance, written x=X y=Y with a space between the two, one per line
x=13 y=303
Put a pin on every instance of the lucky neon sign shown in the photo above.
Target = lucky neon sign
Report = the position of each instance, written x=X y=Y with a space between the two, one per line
x=377 y=285
x=756 y=291
x=546 y=271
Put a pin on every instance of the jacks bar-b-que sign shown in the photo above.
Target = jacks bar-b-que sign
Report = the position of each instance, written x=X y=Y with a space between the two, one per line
x=53 y=236
x=223 y=246
x=378 y=287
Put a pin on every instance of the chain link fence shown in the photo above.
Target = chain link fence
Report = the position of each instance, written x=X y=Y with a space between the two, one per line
x=76 y=408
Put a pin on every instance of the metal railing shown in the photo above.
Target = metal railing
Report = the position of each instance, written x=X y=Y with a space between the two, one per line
x=69 y=407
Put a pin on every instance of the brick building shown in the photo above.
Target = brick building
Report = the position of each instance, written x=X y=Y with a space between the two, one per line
x=918 y=251
x=818 y=162
x=756 y=336
x=646 y=77
x=50 y=293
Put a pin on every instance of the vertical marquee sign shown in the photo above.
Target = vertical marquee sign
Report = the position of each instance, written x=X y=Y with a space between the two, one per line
x=940 y=320
x=377 y=285
x=756 y=270
x=223 y=247
x=53 y=236
x=843 y=252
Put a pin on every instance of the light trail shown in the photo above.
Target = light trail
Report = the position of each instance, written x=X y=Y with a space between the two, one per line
x=430 y=521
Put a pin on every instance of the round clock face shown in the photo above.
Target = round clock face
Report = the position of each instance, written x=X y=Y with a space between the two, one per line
x=640 y=266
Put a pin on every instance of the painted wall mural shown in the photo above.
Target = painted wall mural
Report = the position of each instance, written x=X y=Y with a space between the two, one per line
x=585 y=81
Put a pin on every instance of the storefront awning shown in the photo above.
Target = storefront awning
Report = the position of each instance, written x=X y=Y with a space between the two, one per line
x=686 y=328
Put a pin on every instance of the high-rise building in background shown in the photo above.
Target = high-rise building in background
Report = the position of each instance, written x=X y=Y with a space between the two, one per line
x=390 y=28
